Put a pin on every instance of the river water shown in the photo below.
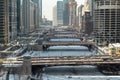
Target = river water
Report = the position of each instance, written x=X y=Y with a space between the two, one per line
x=82 y=72
x=85 y=72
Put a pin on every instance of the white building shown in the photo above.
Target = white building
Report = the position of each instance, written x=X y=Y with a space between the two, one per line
x=55 y=15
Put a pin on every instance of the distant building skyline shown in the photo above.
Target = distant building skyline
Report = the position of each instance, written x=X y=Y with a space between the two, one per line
x=48 y=7
x=55 y=15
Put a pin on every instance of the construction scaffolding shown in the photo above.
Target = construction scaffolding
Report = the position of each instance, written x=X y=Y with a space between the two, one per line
x=4 y=29
x=106 y=23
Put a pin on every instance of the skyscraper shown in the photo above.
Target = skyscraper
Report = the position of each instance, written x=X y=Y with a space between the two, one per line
x=88 y=28
x=19 y=15
x=107 y=21
x=55 y=16
x=65 y=12
x=4 y=18
x=60 y=13
x=72 y=13
x=13 y=19
x=39 y=10
x=88 y=5
x=33 y=19
x=80 y=8
x=26 y=16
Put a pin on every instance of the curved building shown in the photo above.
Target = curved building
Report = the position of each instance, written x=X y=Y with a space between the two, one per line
x=106 y=20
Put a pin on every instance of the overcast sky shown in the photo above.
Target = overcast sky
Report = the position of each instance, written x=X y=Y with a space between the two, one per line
x=48 y=7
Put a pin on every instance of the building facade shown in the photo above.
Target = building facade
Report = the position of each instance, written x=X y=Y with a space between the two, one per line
x=55 y=16
x=65 y=12
x=38 y=11
x=72 y=13
x=4 y=19
x=30 y=15
x=59 y=13
x=107 y=21
x=19 y=16
x=86 y=17
x=88 y=5
x=26 y=16
x=80 y=8
x=13 y=19
x=87 y=26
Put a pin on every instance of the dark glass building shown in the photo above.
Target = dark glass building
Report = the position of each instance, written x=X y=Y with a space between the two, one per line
x=13 y=19
x=65 y=12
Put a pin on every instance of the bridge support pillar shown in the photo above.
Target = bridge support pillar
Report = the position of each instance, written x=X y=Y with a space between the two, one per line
x=36 y=47
x=90 y=47
x=45 y=47
x=27 y=65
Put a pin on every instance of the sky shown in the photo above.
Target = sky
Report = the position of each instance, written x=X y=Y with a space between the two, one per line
x=48 y=7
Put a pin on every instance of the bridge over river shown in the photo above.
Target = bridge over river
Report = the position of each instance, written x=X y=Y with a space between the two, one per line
x=64 y=60
x=42 y=44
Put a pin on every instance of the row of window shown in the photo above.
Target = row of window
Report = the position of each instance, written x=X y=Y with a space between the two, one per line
x=107 y=2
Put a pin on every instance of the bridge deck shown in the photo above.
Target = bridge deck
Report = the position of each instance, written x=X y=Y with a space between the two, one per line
x=67 y=60
x=59 y=37
x=74 y=62
x=55 y=43
x=62 y=32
